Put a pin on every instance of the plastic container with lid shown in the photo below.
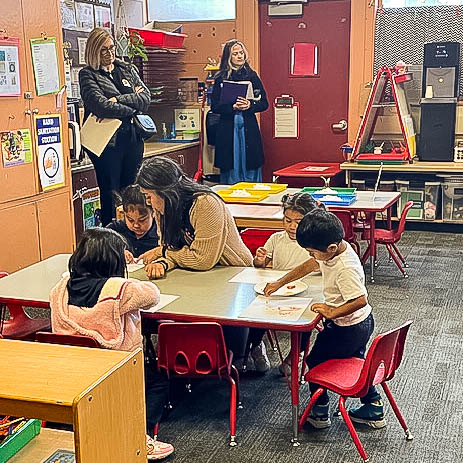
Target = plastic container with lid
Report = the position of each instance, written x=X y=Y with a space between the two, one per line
x=161 y=39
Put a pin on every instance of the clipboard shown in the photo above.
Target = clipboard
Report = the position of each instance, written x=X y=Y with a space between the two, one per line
x=94 y=136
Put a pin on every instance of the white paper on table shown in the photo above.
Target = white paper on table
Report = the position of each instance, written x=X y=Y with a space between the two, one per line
x=276 y=308
x=165 y=300
x=257 y=275
x=134 y=267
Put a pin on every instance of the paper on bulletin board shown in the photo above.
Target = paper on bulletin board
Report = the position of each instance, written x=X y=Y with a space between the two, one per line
x=286 y=122
x=68 y=14
x=85 y=18
x=187 y=119
x=102 y=17
x=49 y=151
x=16 y=147
x=45 y=63
x=91 y=208
x=10 y=84
x=81 y=44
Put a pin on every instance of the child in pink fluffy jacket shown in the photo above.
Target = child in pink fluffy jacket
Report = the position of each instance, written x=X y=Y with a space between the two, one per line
x=98 y=300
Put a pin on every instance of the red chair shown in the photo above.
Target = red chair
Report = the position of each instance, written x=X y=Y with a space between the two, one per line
x=254 y=238
x=66 y=339
x=349 y=234
x=352 y=377
x=390 y=238
x=197 y=350
x=19 y=325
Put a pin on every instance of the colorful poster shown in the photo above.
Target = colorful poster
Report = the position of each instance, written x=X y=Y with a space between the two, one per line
x=102 y=17
x=49 y=151
x=9 y=67
x=68 y=14
x=16 y=147
x=91 y=208
x=45 y=63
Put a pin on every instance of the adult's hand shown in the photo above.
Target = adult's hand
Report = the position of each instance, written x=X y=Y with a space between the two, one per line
x=112 y=99
x=151 y=255
x=242 y=104
x=155 y=271
x=139 y=89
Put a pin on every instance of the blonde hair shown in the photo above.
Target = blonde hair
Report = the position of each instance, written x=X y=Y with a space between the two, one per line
x=95 y=42
x=231 y=66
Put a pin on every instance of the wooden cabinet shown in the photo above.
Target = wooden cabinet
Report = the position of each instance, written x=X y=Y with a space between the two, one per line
x=187 y=159
x=45 y=216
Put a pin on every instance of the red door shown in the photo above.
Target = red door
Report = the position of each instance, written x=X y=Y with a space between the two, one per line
x=323 y=100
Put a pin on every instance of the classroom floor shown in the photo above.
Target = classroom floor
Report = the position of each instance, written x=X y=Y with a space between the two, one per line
x=428 y=386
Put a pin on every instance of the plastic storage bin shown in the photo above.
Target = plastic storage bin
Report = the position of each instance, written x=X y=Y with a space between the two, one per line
x=19 y=439
x=161 y=39
x=452 y=199
x=425 y=197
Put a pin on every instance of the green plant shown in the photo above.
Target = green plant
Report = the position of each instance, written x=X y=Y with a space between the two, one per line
x=136 y=46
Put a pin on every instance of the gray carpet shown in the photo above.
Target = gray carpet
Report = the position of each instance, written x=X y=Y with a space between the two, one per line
x=428 y=386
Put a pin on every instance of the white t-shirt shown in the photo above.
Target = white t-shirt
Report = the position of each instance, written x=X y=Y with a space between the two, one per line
x=285 y=253
x=344 y=280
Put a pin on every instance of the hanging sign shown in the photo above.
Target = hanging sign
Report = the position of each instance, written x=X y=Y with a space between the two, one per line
x=49 y=150
x=285 y=117
x=45 y=63
x=91 y=208
x=10 y=84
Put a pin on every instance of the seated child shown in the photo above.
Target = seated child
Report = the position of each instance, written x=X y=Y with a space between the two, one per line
x=98 y=300
x=348 y=322
x=138 y=226
x=282 y=252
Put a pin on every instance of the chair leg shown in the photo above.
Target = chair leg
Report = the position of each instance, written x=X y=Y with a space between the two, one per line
x=309 y=407
x=155 y=431
x=401 y=257
x=350 y=426
x=398 y=414
x=236 y=376
x=396 y=260
x=232 y=411
x=270 y=335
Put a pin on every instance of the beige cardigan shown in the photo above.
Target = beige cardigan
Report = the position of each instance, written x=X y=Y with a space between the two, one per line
x=216 y=239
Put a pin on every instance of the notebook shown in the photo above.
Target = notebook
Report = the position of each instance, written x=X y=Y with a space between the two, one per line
x=231 y=90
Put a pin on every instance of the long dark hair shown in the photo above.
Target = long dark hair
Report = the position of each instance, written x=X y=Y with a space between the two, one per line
x=167 y=180
x=99 y=254
x=226 y=68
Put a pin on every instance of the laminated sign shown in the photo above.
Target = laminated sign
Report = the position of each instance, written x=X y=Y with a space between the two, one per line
x=49 y=151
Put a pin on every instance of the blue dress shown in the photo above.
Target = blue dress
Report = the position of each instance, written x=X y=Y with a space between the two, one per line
x=239 y=173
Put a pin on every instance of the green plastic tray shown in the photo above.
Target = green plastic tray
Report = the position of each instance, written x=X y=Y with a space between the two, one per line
x=315 y=189
x=19 y=439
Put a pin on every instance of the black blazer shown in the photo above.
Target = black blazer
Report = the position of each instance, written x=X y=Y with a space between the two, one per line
x=224 y=135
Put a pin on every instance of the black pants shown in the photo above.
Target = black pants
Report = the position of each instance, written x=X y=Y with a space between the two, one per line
x=116 y=168
x=338 y=342
x=235 y=339
x=156 y=390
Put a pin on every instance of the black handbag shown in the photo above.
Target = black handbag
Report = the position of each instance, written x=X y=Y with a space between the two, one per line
x=144 y=125
x=212 y=122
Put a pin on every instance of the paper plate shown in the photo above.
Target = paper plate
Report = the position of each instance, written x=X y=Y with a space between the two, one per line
x=291 y=289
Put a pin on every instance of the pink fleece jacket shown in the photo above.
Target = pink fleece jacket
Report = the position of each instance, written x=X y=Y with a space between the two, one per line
x=115 y=321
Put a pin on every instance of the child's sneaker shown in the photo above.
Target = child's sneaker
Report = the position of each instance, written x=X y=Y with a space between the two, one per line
x=261 y=361
x=157 y=450
x=371 y=414
x=319 y=416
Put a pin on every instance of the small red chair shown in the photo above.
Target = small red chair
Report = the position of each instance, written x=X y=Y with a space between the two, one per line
x=254 y=238
x=19 y=325
x=197 y=350
x=390 y=238
x=349 y=234
x=352 y=377
x=66 y=339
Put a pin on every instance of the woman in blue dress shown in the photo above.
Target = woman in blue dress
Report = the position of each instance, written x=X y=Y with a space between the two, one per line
x=238 y=149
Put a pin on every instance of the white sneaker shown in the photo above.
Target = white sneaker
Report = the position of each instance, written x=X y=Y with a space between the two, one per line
x=157 y=450
x=261 y=361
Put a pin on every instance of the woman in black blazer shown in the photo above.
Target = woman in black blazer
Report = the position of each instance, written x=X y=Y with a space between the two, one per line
x=238 y=148
x=113 y=89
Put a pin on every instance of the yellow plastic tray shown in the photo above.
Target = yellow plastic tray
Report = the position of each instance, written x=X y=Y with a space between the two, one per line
x=255 y=197
x=274 y=187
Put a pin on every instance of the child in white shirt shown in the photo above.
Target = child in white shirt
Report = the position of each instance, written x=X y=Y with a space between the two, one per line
x=282 y=252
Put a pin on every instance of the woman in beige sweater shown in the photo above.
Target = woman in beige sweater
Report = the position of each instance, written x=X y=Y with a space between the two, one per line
x=196 y=229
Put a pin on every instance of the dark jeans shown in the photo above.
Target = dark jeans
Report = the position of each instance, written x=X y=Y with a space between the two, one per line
x=235 y=339
x=338 y=342
x=156 y=390
x=256 y=335
x=116 y=168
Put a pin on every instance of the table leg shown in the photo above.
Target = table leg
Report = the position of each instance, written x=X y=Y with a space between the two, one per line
x=295 y=346
x=372 y=246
